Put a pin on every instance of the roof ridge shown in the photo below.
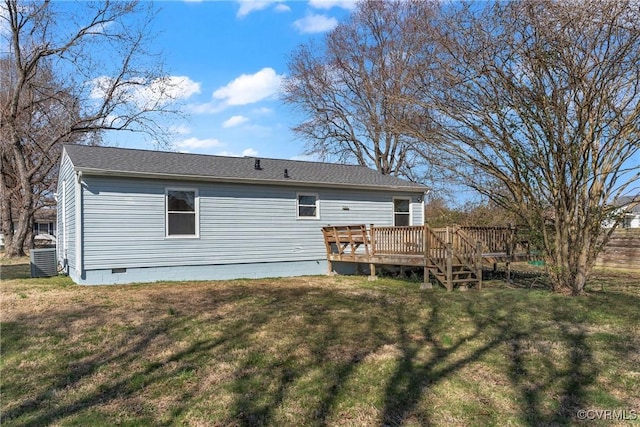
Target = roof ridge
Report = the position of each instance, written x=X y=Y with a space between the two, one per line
x=213 y=155
x=119 y=160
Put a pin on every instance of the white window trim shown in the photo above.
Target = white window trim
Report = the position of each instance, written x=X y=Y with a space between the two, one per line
x=317 y=216
x=166 y=213
x=393 y=208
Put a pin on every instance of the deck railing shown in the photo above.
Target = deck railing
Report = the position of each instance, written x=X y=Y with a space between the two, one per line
x=494 y=239
x=410 y=240
x=434 y=243
x=398 y=240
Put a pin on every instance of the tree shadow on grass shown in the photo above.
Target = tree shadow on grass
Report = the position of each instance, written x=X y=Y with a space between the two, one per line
x=415 y=375
x=550 y=358
x=290 y=353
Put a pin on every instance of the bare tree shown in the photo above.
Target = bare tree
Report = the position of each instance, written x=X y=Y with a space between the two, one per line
x=349 y=89
x=538 y=109
x=71 y=71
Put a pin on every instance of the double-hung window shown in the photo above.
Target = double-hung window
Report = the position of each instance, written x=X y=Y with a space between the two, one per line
x=182 y=212
x=307 y=205
x=401 y=213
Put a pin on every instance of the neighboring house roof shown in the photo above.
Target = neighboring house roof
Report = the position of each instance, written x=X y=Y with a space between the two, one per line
x=96 y=160
x=40 y=215
x=628 y=200
x=45 y=215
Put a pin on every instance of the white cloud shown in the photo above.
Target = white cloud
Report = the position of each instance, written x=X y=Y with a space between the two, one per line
x=250 y=88
x=147 y=95
x=180 y=130
x=249 y=152
x=248 y=6
x=263 y=110
x=234 y=121
x=281 y=7
x=312 y=24
x=205 y=108
x=328 y=4
x=100 y=86
x=197 y=143
x=170 y=88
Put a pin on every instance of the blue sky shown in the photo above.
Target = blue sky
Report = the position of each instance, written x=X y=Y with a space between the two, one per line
x=230 y=58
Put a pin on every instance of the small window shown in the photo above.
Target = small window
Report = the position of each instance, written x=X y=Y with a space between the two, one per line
x=308 y=206
x=182 y=213
x=401 y=214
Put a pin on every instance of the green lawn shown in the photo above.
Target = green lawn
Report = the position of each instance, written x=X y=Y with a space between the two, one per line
x=317 y=351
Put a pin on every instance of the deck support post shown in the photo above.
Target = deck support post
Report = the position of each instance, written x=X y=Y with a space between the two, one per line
x=372 y=272
x=426 y=281
x=510 y=249
x=479 y=263
x=449 y=278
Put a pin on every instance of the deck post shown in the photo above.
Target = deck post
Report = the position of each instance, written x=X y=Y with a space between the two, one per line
x=479 y=263
x=426 y=281
x=372 y=238
x=372 y=272
x=510 y=249
x=449 y=278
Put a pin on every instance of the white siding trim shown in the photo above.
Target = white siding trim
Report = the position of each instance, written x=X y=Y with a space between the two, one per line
x=78 y=199
x=65 y=234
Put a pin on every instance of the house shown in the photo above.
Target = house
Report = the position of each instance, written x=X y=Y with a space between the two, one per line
x=631 y=207
x=43 y=227
x=128 y=215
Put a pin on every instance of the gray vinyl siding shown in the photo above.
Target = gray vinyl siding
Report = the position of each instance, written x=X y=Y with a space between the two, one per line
x=66 y=233
x=124 y=222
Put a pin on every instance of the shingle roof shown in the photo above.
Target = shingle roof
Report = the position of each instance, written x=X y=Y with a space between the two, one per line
x=159 y=164
x=627 y=200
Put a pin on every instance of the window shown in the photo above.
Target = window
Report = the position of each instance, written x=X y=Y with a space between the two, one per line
x=41 y=228
x=308 y=206
x=401 y=214
x=182 y=212
x=626 y=222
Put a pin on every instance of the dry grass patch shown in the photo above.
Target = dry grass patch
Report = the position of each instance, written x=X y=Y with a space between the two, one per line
x=314 y=351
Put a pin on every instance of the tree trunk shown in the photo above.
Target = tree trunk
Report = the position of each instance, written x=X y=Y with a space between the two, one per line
x=568 y=260
x=15 y=248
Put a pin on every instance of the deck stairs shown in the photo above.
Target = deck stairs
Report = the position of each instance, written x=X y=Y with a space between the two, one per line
x=453 y=259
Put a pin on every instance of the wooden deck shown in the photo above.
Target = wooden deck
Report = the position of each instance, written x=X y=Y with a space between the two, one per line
x=454 y=256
